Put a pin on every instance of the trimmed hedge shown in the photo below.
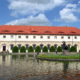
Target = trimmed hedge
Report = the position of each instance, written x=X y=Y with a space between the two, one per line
x=15 y=49
x=38 y=49
x=52 y=49
x=45 y=49
x=30 y=49
x=73 y=49
x=59 y=49
x=23 y=49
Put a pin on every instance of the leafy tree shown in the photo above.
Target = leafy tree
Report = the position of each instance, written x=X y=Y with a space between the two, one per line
x=23 y=49
x=38 y=49
x=30 y=49
x=59 y=49
x=15 y=49
x=45 y=49
x=73 y=49
x=52 y=49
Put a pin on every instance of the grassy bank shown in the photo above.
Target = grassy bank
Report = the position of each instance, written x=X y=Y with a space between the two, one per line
x=58 y=56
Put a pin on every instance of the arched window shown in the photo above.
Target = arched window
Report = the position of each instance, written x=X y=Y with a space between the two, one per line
x=48 y=45
x=19 y=46
x=27 y=45
x=34 y=46
x=55 y=45
x=41 y=45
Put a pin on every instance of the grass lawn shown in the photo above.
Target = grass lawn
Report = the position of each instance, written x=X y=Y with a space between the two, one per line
x=59 y=56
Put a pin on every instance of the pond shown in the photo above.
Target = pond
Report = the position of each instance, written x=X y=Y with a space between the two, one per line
x=18 y=67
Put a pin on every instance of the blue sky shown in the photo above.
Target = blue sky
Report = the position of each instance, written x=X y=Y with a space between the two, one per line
x=40 y=12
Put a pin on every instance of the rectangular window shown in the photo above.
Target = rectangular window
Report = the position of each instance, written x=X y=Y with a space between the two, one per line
x=11 y=36
x=48 y=37
x=19 y=36
x=12 y=46
x=55 y=37
x=4 y=36
x=34 y=36
x=26 y=36
x=41 y=36
x=68 y=37
x=62 y=37
x=75 y=37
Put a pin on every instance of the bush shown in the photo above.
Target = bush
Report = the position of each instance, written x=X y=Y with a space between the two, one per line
x=30 y=49
x=59 y=49
x=45 y=49
x=15 y=49
x=73 y=49
x=52 y=49
x=23 y=49
x=38 y=49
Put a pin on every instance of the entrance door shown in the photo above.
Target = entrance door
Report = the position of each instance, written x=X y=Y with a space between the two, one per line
x=4 y=48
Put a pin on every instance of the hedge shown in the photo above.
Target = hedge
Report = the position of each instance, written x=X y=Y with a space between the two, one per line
x=23 y=49
x=30 y=49
x=15 y=49
x=73 y=49
x=59 y=49
x=52 y=49
x=45 y=49
x=38 y=49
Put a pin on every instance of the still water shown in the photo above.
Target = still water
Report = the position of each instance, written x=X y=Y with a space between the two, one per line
x=28 y=68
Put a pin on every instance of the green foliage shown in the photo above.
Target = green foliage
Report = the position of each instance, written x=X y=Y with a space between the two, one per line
x=58 y=56
x=52 y=49
x=73 y=49
x=30 y=49
x=38 y=49
x=15 y=49
x=59 y=49
x=45 y=49
x=23 y=49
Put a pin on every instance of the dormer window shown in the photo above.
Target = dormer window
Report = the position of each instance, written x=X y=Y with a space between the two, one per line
x=20 y=31
x=5 y=31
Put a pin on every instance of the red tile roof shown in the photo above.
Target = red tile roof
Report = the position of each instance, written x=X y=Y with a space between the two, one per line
x=14 y=29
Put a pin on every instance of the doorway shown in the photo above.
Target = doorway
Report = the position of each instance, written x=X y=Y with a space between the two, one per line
x=4 y=48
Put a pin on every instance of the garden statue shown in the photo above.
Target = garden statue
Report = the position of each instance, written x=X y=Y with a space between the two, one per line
x=64 y=48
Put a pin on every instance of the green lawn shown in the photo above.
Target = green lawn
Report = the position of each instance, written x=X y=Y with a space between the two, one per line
x=59 y=56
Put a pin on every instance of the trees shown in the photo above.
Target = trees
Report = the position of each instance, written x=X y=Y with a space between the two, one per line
x=15 y=49
x=30 y=49
x=52 y=49
x=23 y=49
x=38 y=49
x=73 y=49
x=59 y=49
x=45 y=49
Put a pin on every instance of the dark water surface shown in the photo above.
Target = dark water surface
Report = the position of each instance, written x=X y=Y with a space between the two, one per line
x=27 y=68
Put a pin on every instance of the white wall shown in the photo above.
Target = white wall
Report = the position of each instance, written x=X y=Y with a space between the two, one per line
x=45 y=38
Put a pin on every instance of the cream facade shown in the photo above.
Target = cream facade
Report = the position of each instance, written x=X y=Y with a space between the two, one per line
x=7 y=41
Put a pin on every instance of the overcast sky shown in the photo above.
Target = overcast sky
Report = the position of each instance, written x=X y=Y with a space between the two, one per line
x=40 y=12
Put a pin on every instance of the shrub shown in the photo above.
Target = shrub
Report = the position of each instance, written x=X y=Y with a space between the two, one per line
x=52 y=49
x=73 y=49
x=23 y=49
x=59 y=49
x=30 y=49
x=45 y=49
x=15 y=49
x=38 y=49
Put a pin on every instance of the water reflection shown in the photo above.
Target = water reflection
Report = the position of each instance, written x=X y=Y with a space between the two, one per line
x=14 y=66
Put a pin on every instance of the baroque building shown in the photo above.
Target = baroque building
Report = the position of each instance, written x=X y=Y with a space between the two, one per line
x=13 y=35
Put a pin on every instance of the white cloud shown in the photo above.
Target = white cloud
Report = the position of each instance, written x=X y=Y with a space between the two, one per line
x=27 y=7
x=41 y=19
x=67 y=13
